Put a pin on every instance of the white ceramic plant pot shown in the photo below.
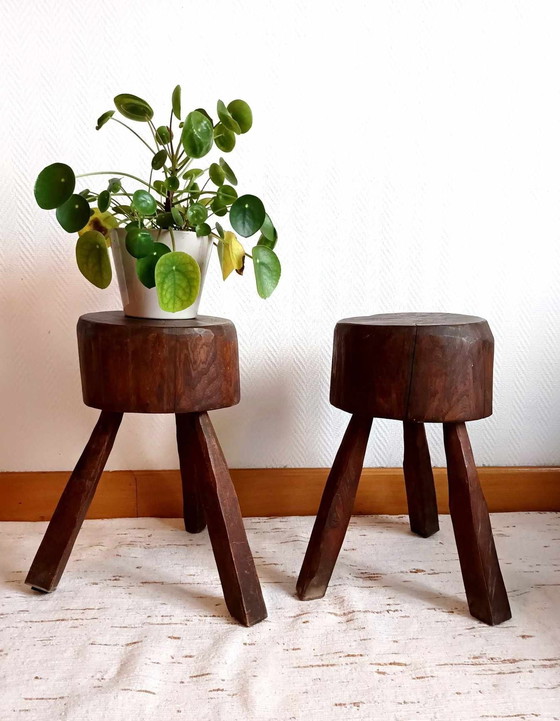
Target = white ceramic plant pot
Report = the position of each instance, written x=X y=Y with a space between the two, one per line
x=141 y=302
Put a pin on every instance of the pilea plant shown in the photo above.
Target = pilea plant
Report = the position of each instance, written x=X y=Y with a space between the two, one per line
x=175 y=196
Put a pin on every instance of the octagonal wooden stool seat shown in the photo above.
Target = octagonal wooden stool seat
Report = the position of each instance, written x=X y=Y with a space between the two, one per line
x=186 y=367
x=417 y=368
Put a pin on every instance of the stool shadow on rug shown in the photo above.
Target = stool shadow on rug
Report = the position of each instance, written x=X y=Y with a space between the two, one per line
x=395 y=525
x=171 y=582
x=350 y=572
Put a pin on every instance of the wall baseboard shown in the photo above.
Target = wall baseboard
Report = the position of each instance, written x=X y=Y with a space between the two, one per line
x=32 y=496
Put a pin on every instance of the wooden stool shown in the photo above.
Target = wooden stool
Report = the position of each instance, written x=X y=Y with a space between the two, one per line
x=417 y=368
x=186 y=367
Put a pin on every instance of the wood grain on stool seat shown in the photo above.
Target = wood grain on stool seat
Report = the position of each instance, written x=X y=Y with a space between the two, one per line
x=423 y=367
x=139 y=365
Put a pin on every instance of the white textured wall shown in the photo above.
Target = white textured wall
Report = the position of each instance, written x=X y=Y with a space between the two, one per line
x=408 y=152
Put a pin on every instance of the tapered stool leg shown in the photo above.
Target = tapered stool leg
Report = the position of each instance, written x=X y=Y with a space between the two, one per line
x=335 y=511
x=51 y=558
x=193 y=511
x=238 y=575
x=419 y=481
x=484 y=585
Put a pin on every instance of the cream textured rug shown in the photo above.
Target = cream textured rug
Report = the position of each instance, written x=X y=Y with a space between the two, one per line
x=138 y=629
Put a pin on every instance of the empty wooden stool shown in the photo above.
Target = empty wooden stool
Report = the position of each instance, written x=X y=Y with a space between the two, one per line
x=186 y=367
x=417 y=368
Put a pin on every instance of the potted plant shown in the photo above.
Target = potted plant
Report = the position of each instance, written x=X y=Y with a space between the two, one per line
x=161 y=234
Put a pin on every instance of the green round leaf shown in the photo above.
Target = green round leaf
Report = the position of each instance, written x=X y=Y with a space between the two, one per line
x=227 y=120
x=144 y=203
x=176 y=102
x=177 y=277
x=177 y=217
x=230 y=175
x=267 y=270
x=265 y=241
x=194 y=190
x=197 y=136
x=114 y=185
x=269 y=231
x=139 y=242
x=163 y=135
x=92 y=258
x=217 y=175
x=159 y=187
x=203 y=230
x=103 y=200
x=218 y=208
x=196 y=214
x=226 y=195
x=220 y=230
x=54 y=185
x=172 y=183
x=73 y=215
x=247 y=215
x=193 y=174
x=158 y=161
x=224 y=138
x=133 y=108
x=164 y=220
x=242 y=114
x=104 y=118
x=146 y=266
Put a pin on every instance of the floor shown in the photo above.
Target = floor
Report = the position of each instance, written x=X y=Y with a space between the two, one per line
x=138 y=629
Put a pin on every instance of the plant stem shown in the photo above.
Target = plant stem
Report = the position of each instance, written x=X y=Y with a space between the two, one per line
x=135 y=133
x=172 y=154
x=113 y=172
x=198 y=192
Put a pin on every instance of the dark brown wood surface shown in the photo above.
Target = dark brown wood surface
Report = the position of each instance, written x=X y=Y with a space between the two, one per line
x=138 y=365
x=193 y=510
x=484 y=585
x=424 y=367
x=148 y=366
x=416 y=368
x=419 y=481
x=58 y=541
x=335 y=511
x=240 y=583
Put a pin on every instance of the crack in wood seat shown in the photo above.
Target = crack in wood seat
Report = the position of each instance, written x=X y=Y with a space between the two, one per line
x=416 y=368
x=186 y=367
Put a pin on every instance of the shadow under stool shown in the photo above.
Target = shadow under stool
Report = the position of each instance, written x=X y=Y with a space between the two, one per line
x=185 y=367
x=416 y=368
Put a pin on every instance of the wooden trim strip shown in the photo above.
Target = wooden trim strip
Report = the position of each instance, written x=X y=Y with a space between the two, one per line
x=269 y=492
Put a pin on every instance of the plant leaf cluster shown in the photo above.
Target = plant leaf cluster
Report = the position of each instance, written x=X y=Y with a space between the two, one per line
x=176 y=195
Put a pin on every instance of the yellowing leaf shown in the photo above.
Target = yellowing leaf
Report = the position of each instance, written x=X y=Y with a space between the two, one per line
x=101 y=222
x=231 y=254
